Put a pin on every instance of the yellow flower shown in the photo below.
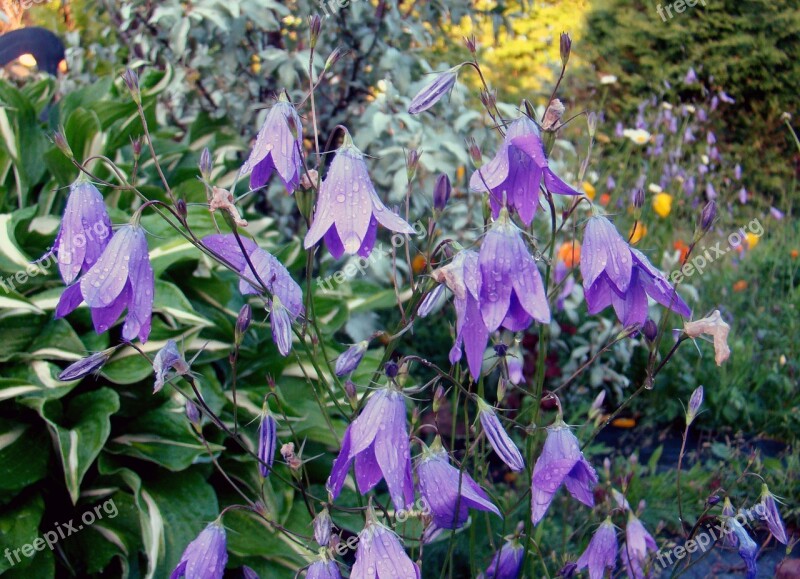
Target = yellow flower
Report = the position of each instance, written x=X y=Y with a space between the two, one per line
x=589 y=189
x=751 y=239
x=662 y=204
x=636 y=236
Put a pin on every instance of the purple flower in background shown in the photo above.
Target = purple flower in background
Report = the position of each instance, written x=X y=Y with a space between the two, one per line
x=348 y=208
x=711 y=193
x=267 y=440
x=381 y=556
x=449 y=492
x=323 y=569
x=511 y=289
x=673 y=125
x=748 y=549
x=461 y=275
x=610 y=183
x=601 y=554
x=615 y=274
x=168 y=358
x=514 y=175
x=121 y=278
x=498 y=438
x=205 y=557
x=277 y=148
x=776 y=213
x=506 y=563
x=433 y=92
x=702 y=116
x=688 y=136
x=737 y=172
x=689 y=185
x=561 y=462
x=773 y=516
x=711 y=138
x=351 y=358
x=634 y=552
x=726 y=98
x=378 y=443
x=691 y=76
x=84 y=233
x=742 y=195
x=619 y=130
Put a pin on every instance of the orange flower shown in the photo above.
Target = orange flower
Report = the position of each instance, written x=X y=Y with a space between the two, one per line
x=418 y=263
x=794 y=253
x=636 y=236
x=570 y=253
x=681 y=246
x=740 y=286
x=604 y=199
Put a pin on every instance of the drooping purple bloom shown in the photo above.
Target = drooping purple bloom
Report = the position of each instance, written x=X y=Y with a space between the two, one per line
x=634 y=552
x=461 y=275
x=166 y=359
x=561 y=462
x=711 y=138
x=323 y=569
x=432 y=300
x=615 y=274
x=726 y=98
x=433 y=92
x=773 y=516
x=506 y=562
x=511 y=289
x=267 y=440
x=441 y=192
x=498 y=437
x=381 y=556
x=277 y=148
x=610 y=183
x=619 y=130
x=84 y=233
x=450 y=493
x=514 y=175
x=378 y=443
x=691 y=76
x=748 y=548
x=205 y=557
x=776 y=213
x=601 y=554
x=121 y=278
x=348 y=208
x=351 y=358
x=322 y=527
x=86 y=366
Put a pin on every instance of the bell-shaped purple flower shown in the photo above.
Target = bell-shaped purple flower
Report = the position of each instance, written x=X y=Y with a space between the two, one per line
x=772 y=516
x=561 y=462
x=615 y=274
x=634 y=552
x=281 y=324
x=434 y=91
x=348 y=208
x=514 y=175
x=498 y=438
x=323 y=569
x=121 y=278
x=378 y=443
x=506 y=562
x=381 y=556
x=748 y=548
x=277 y=148
x=267 y=441
x=322 y=527
x=601 y=554
x=84 y=233
x=205 y=557
x=351 y=358
x=511 y=289
x=461 y=275
x=168 y=358
x=450 y=493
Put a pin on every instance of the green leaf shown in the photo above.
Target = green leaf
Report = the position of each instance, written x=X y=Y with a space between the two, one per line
x=19 y=466
x=19 y=525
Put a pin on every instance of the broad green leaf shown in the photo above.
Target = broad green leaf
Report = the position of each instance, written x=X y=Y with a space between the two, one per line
x=19 y=525
x=19 y=465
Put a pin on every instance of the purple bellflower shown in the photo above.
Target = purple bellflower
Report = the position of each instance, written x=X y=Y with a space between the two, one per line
x=378 y=443
x=85 y=366
x=601 y=554
x=561 y=462
x=461 y=275
x=507 y=562
x=615 y=274
x=168 y=358
x=498 y=438
x=121 y=278
x=434 y=91
x=351 y=358
x=449 y=492
x=773 y=516
x=277 y=148
x=84 y=233
x=323 y=569
x=381 y=556
x=267 y=441
x=634 y=552
x=748 y=548
x=514 y=175
x=511 y=289
x=205 y=557
x=348 y=208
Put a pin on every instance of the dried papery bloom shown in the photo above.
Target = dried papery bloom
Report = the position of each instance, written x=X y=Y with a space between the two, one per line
x=552 y=117
x=715 y=327
x=223 y=200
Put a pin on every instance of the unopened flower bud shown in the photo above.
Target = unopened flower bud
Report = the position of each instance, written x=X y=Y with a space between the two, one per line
x=60 y=141
x=322 y=528
x=86 y=366
x=502 y=387
x=441 y=192
x=412 y=161
x=391 y=369
x=694 y=405
x=352 y=393
x=438 y=396
x=206 y=164
x=192 y=413
x=488 y=99
x=314 y=25
x=242 y=323
x=136 y=147
x=431 y=300
x=708 y=215
x=474 y=153
x=181 y=207
x=591 y=122
x=565 y=46
x=471 y=43
x=713 y=500
x=333 y=58
x=568 y=570
x=131 y=80
x=650 y=330
x=351 y=358
x=638 y=199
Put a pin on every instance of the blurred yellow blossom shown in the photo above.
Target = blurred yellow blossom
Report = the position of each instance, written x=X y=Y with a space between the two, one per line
x=589 y=189
x=662 y=204
x=636 y=236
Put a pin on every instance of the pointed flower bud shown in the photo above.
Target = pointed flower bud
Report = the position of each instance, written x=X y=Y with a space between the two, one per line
x=352 y=393
x=267 y=440
x=441 y=192
x=314 y=25
x=431 y=301
x=474 y=152
x=206 y=164
x=773 y=516
x=412 y=162
x=192 y=413
x=591 y=122
x=471 y=43
x=498 y=438
x=434 y=91
x=136 y=147
x=565 y=47
x=86 y=366
x=322 y=527
x=650 y=330
x=60 y=141
x=131 y=80
x=708 y=215
x=333 y=58
x=391 y=369
x=242 y=323
x=438 y=396
x=694 y=405
x=351 y=358
x=638 y=199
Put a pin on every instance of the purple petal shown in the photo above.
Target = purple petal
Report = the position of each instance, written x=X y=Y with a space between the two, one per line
x=102 y=284
x=70 y=299
x=604 y=250
x=341 y=466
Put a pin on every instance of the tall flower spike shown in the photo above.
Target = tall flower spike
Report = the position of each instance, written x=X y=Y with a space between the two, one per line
x=773 y=516
x=433 y=92
x=378 y=443
x=511 y=289
x=498 y=438
x=277 y=148
x=561 y=462
x=601 y=554
x=634 y=552
x=449 y=491
x=205 y=557
x=381 y=556
x=506 y=563
x=84 y=233
x=348 y=208
x=121 y=278
x=516 y=172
